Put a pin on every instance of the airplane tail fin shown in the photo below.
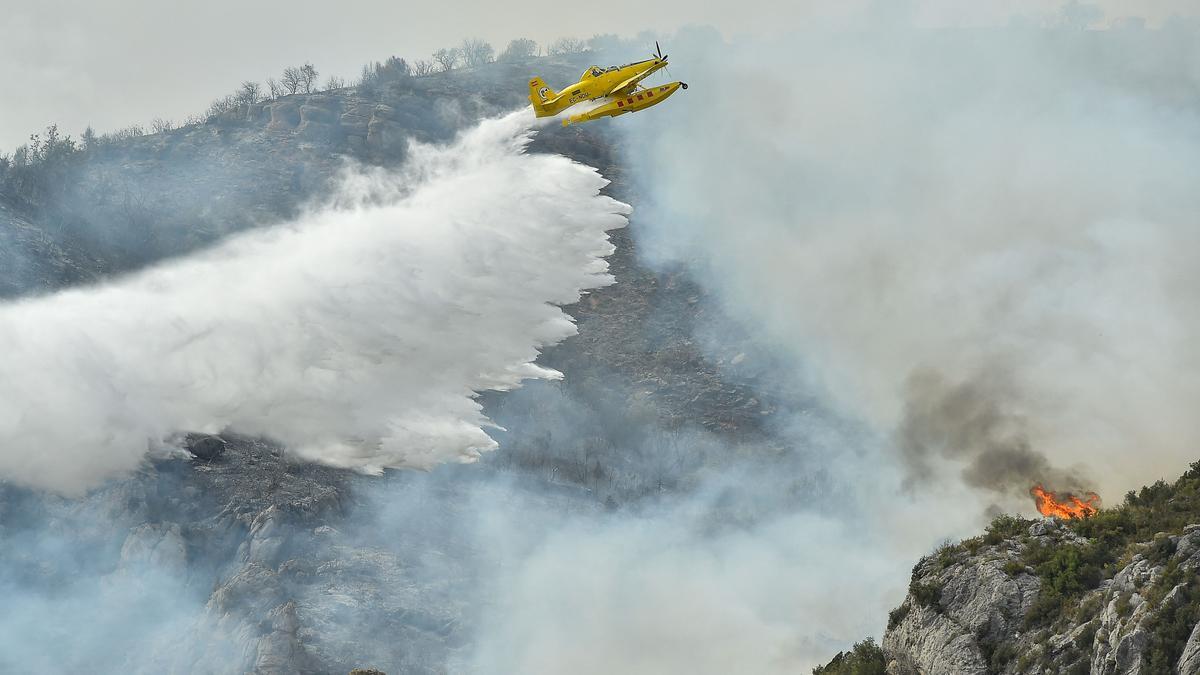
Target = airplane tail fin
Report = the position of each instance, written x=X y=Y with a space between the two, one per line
x=543 y=98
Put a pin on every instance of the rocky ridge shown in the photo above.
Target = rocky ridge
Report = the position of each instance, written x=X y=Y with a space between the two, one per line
x=1111 y=594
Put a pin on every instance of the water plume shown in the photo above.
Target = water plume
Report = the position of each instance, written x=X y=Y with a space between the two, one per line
x=358 y=334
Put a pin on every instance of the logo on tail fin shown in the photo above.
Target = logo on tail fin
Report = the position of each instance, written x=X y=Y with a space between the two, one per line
x=544 y=99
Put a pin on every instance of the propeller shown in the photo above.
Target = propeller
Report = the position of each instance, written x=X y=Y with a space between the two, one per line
x=662 y=57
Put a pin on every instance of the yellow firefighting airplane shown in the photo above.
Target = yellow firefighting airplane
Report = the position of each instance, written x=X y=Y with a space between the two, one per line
x=617 y=87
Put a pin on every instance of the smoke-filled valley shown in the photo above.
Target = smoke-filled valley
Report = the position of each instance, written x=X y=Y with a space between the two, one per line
x=686 y=391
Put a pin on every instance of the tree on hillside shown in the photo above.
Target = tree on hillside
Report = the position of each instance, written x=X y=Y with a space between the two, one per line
x=518 y=50
x=395 y=68
x=88 y=138
x=53 y=148
x=422 y=67
x=299 y=79
x=308 y=76
x=292 y=79
x=248 y=93
x=477 y=52
x=121 y=135
x=367 y=80
x=446 y=58
x=274 y=88
x=40 y=170
x=223 y=105
x=567 y=45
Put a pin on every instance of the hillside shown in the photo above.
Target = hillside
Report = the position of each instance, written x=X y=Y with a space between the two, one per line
x=1114 y=593
x=272 y=566
x=125 y=200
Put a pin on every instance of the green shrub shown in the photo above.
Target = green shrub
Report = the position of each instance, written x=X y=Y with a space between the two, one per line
x=1193 y=472
x=1160 y=507
x=1124 y=603
x=997 y=652
x=926 y=595
x=1159 y=551
x=1067 y=571
x=1084 y=640
x=1170 y=628
x=897 y=615
x=866 y=658
x=1089 y=608
x=1001 y=656
x=945 y=554
x=1005 y=527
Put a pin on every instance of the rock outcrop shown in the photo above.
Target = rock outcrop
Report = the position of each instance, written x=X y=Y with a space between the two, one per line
x=980 y=621
x=1107 y=595
x=205 y=447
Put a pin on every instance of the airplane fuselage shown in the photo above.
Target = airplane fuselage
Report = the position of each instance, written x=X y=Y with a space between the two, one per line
x=596 y=83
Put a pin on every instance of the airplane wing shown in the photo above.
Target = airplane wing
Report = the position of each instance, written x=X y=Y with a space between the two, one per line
x=634 y=79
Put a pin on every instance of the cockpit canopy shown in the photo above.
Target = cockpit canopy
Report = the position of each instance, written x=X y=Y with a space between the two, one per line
x=597 y=71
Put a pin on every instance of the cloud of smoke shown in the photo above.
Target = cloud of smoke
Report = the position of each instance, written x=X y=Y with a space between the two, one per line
x=977 y=423
x=749 y=568
x=79 y=598
x=358 y=335
x=730 y=579
x=994 y=224
x=978 y=242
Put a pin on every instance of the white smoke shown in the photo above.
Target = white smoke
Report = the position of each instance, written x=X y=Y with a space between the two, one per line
x=358 y=335
x=1010 y=209
x=681 y=589
x=1005 y=210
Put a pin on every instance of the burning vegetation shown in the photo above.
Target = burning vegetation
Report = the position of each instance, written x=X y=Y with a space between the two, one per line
x=1064 y=505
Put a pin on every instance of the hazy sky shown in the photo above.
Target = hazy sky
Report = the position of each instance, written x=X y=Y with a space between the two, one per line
x=118 y=62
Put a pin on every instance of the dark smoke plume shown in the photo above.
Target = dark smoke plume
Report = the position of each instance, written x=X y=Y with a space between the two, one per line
x=978 y=422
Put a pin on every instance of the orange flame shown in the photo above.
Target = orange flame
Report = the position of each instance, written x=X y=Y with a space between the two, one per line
x=1064 y=505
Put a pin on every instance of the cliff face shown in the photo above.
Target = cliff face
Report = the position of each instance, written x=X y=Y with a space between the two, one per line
x=1116 y=593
